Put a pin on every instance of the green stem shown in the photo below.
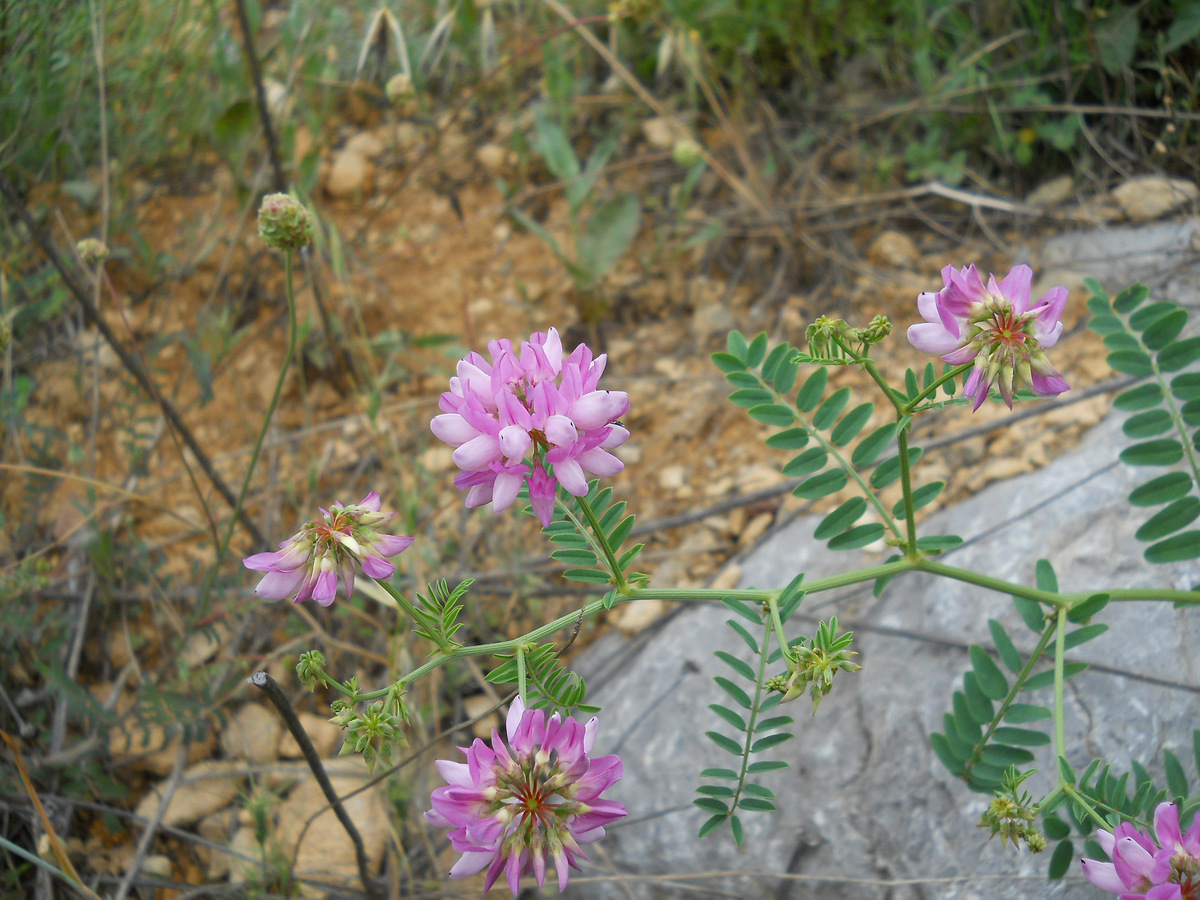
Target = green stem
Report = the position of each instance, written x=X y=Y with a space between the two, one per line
x=910 y=521
x=1061 y=601
x=777 y=623
x=1083 y=801
x=754 y=710
x=1060 y=649
x=893 y=395
x=415 y=614
x=522 y=687
x=1136 y=594
x=911 y=406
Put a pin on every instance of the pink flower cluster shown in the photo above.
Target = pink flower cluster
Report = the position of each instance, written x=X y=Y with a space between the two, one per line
x=533 y=417
x=513 y=808
x=997 y=328
x=1168 y=870
x=309 y=563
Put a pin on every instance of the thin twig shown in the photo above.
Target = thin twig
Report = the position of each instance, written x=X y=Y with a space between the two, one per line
x=14 y=201
x=260 y=93
x=143 y=846
x=275 y=694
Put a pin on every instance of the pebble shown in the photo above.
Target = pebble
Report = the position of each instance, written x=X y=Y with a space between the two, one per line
x=365 y=143
x=661 y=133
x=1150 y=196
x=895 y=249
x=252 y=734
x=348 y=175
x=324 y=850
x=1051 y=193
x=325 y=737
x=203 y=788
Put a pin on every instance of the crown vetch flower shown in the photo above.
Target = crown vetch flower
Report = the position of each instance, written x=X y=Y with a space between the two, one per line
x=530 y=416
x=310 y=562
x=997 y=327
x=515 y=807
x=1168 y=870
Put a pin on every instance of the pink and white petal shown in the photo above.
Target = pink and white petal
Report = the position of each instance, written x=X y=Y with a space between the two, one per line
x=390 y=544
x=1048 y=385
x=514 y=442
x=512 y=871
x=377 y=567
x=1165 y=892
x=1048 y=337
x=561 y=431
x=278 y=585
x=477 y=454
x=471 y=863
x=1166 y=827
x=452 y=428
x=1015 y=287
x=927 y=307
x=1106 y=840
x=617 y=435
x=570 y=475
x=454 y=772
x=325 y=587
x=479 y=495
x=505 y=489
x=962 y=355
x=598 y=408
x=932 y=338
x=599 y=462
x=1103 y=875
x=516 y=712
x=372 y=502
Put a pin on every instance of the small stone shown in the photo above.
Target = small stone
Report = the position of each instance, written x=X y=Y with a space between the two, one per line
x=365 y=143
x=348 y=175
x=633 y=618
x=324 y=850
x=1051 y=193
x=217 y=828
x=158 y=866
x=203 y=788
x=252 y=734
x=672 y=478
x=1150 y=196
x=661 y=133
x=727 y=579
x=895 y=249
x=243 y=848
x=325 y=737
x=493 y=159
x=438 y=460
x=202 y=645
x=475 y=708
x=146 y=749
x=755 y=529
x=711 y=320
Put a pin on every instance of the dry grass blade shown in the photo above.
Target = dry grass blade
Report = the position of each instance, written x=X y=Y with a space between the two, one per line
x=56 y=846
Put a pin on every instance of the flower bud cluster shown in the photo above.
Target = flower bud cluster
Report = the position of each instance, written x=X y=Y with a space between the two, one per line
x=530 y=417
x=813 y=663
x=284 y=223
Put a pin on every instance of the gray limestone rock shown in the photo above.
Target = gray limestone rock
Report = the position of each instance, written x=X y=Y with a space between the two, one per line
x=866 y=809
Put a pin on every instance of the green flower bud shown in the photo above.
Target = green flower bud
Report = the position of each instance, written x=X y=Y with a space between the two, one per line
x=91 y=251
x=687 y=153
x=284 y=223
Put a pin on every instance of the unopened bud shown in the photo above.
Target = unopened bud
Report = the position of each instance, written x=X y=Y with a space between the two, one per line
x=284 y=223
x=687 y=153
x=399 y=87
x=91 y=251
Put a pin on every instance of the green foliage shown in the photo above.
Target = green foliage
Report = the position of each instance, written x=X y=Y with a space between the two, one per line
x=822 y=428
x=1143 y=338
x=602 y=237
x=577 y=546
x=981 y=736
x=548 y=684
x=728 y=791
x=442 y=607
